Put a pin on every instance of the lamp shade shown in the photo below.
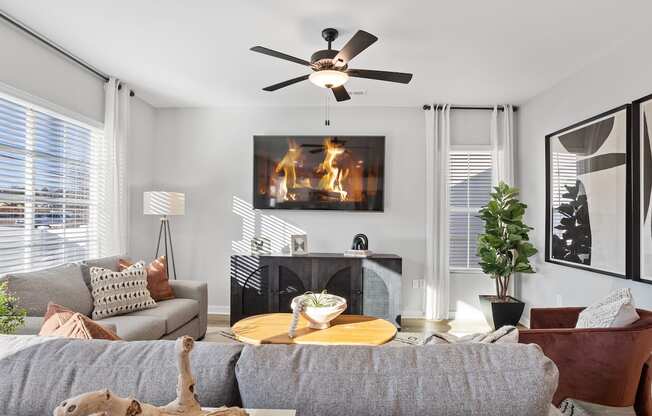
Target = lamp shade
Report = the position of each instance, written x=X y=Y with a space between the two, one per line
x=164 y=203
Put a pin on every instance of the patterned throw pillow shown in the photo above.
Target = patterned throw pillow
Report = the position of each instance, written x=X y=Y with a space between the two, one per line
x=574 y=407
x=616 y=310
x=158 y=283
x=117 y=293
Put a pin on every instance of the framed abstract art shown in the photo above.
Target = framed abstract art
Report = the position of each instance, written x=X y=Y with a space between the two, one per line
x=588 y=201
x=642 y=189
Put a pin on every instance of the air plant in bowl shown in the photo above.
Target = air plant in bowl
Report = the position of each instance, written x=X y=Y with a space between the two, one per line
x=319 y=309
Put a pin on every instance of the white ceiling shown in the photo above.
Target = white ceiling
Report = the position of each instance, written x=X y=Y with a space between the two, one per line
x=195 y=52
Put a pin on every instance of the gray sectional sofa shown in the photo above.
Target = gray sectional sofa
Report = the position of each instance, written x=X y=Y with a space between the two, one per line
x=38 y=373
x=69 y=286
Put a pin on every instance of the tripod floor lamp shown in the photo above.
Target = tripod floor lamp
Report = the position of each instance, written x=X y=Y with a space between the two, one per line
x=165 y=204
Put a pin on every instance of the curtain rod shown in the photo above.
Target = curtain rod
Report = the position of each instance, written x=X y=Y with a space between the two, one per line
x=471 y=107
x=34 y=34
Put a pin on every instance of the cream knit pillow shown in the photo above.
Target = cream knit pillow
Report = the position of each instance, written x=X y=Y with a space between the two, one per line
x=616 y=310
x=117 y=293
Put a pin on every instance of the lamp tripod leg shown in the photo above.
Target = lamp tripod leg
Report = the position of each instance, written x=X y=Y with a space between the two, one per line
x=160 y=232
x=165 y=243
x=174 y=267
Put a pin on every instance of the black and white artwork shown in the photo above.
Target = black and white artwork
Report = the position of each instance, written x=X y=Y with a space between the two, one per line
x=587 y=209
x=643 y=135
x=261 y=245
x=298 y=244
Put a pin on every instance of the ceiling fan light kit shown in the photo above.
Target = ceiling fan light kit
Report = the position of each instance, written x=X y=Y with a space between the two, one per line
x=331 y=67
x=329 y=78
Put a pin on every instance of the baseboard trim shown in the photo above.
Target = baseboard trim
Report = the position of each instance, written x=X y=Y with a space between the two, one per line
x=218 y=310
x=412 y=314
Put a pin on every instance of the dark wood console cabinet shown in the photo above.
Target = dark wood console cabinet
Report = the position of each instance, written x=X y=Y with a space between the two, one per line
x=267 y=283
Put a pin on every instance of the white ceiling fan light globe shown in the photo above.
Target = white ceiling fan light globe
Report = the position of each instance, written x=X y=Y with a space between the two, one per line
x=329 y=78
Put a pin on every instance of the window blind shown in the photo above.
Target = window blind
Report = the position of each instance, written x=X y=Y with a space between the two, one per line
x=48 y=190
x=564 y=166
x=470 y=185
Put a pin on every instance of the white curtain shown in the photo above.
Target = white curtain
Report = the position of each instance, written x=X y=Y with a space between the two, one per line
x=502 y=143
x=112 y=196
x=437 y=233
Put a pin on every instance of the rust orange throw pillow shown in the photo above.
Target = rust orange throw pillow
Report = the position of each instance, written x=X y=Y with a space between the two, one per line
x=82 y=327
x=157 y=278
x=55 y=317
x=62 y=322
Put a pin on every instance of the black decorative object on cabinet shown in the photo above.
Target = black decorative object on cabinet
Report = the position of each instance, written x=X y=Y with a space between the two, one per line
x=267 y=283
x=360 y=242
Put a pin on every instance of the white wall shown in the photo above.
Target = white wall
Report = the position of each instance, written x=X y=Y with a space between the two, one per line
x=208 y=153
x=140 y=177
x=34 y=68
x=615 y=79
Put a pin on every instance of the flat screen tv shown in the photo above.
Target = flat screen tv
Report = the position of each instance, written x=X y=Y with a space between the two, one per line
x=344 y=173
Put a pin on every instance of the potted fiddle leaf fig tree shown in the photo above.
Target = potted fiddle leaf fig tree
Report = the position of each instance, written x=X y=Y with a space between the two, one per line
x=504 y=249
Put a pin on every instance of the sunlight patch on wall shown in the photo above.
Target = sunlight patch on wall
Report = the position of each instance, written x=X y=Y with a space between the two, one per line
x=256 y=224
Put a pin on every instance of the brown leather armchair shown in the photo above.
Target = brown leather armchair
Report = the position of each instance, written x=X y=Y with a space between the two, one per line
x=608 y=366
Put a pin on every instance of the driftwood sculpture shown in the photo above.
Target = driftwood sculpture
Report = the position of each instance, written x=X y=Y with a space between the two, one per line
x=105 y=403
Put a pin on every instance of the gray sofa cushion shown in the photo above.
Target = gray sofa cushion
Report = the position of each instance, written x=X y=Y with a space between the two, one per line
x=136 y=328
x=191 y=329
x=32 y=326
x=192 y=289
x=110 y=263
x=38 y=373
x=175 y=312
x=469 y=379
x=63 y=285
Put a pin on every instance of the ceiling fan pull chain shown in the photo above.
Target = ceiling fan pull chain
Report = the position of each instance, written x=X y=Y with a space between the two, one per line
x=327 y=121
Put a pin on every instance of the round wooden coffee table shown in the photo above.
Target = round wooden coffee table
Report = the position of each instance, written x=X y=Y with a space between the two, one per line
x=272 y=328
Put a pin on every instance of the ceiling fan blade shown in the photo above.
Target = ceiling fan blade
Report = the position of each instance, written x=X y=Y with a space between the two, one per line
x=402 y=77
x=286 y=83
x=358 y=43
x=340 y=93
x=280 y=55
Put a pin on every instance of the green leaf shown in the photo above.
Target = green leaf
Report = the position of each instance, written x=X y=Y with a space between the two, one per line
x=504 y=246
x=12 y=316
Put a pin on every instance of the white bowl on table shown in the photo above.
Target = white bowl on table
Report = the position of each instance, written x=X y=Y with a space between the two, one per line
x=320 y=317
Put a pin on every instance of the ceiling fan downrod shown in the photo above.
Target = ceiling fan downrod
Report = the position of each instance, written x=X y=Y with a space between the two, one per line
x=329 y=35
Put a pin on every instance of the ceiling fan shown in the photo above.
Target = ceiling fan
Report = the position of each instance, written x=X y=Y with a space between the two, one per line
x=331 y=67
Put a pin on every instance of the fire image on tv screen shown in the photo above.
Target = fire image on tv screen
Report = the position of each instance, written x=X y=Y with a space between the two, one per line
x=319 y=172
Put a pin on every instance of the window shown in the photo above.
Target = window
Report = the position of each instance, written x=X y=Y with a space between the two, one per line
x=47 y=188
x=470 y=184
x=565 y=167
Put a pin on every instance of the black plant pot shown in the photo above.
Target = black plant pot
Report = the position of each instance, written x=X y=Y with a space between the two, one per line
x=500 y=313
